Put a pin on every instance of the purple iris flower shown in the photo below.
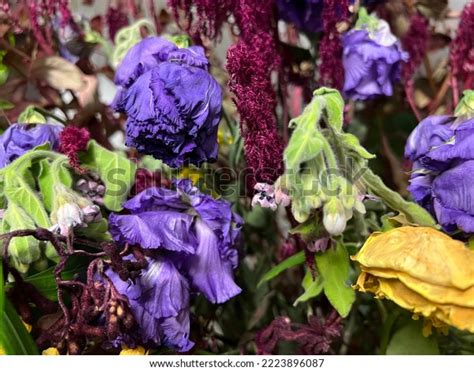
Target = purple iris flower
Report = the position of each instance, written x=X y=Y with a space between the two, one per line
x=172 y=102
x=372 y=62
x=192 y=242
x=443 y=170
x=20 y=138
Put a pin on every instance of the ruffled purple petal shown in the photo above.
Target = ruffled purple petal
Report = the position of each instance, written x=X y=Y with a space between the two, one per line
x=142 y=57
x=169 y=230
x=208 y=272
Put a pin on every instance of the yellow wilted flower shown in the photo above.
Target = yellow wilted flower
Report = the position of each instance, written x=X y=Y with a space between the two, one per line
x=138 y=351
x=422 y=270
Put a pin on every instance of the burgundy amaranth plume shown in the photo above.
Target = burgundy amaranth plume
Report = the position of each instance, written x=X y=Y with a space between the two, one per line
x=415 y=42
x=331 y=70
x=462 y=52
x=250 y=64
x=71 y=141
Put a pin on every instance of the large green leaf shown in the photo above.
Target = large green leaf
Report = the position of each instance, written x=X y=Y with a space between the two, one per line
x=14 y=339
x=292 y=261
x=306 y=141
x=312 y=288
x=333 y=265
x=409 y=340
x=46 y=181
x=116 y=171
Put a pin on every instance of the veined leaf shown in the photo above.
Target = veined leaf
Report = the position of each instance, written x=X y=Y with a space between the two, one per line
x=18 y=190
x=333 y=265
x=14 y=339
x=312 y=288
x=117 y=173
x=292 y=261
x=306 y=141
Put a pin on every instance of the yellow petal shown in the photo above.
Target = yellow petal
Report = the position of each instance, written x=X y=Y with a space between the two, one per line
x=138 y=351
x=434 y=293
x=50 y=352
x=423 y=253
x=440 y=314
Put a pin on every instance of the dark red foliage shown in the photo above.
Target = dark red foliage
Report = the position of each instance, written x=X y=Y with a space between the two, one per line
x=72 y=140
x=462 y=49
x=415 y=42
x=331 y=71
x=250 y=64
x=211 y=14
x=116 y=19
x=316 y=337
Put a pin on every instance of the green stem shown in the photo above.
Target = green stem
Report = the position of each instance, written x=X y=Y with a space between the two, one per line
x=414 y=213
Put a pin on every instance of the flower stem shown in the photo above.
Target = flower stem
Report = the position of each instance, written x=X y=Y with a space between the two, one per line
x=414 y=213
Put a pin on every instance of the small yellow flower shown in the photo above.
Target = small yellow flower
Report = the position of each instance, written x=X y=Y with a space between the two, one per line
x=2 y=352
x=422 y=270
x=50 y=352
x=138 y=351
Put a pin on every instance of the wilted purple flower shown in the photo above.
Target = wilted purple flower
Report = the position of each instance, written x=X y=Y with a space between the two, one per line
x=193 y=239
x=443 y=170
x=159 y=300
x=371 y=62
x=20 y=138
x=172 y=102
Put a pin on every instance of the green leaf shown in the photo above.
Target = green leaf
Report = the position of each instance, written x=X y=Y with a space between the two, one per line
x=351 y=142
x=46 y=180
x=409 y=340
x=25 y=250
x=31 y=116
x=333 y=265
x=312 y=288
x=292 y=261
x=14 y=339
x=309 y=228
x=306 y=141
x=6 y=105
x=45 y=282
x=116 y=171
x=334 y=105
x=19 y=191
